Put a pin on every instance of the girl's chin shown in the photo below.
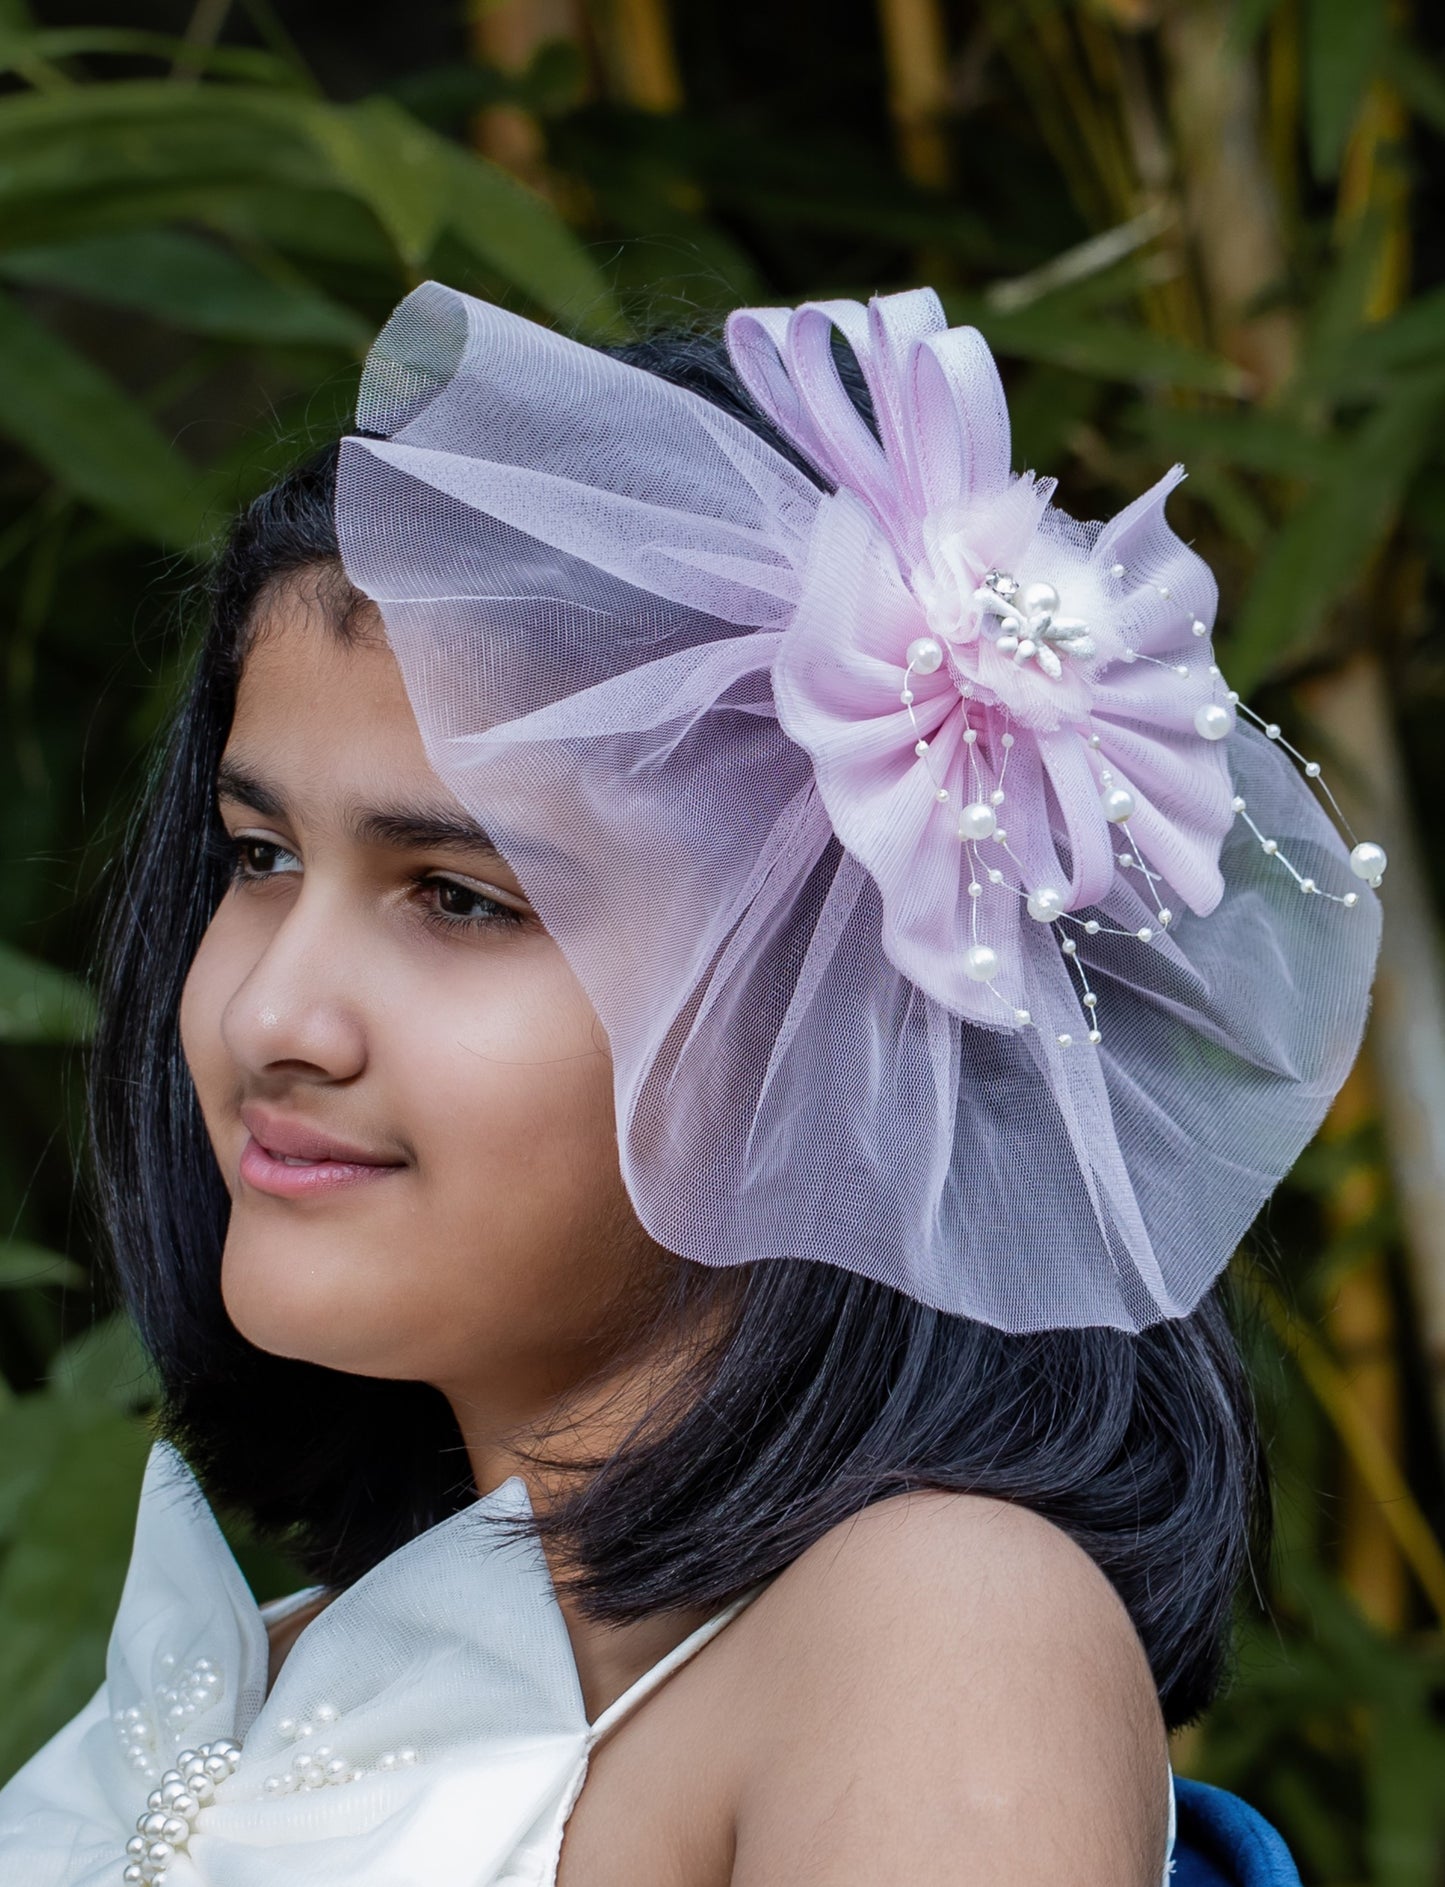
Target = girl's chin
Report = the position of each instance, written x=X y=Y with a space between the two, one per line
x=311 y=1306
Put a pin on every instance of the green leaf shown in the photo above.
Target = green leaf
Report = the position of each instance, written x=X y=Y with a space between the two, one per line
x=31 y=1431
x=189 y=283
x=60 y=1580
x=37 y=1002
x=512 y=231
x=1253 y=441
x=106 y=1364
x=1419 y=81
x=1337 y=316
x=1325 y=546
x=1110 y=350
x=22 y=1264
x=1344 y=45
x=1412 y=339
x=1406 y=1817
x=107 y=144
x=238 y=62
x=1247 y=20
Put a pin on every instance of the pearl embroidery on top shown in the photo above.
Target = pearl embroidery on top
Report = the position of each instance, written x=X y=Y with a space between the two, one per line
x=191 y=1688
x=166 y=1824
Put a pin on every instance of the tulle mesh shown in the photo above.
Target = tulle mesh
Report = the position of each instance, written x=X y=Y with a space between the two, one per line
x=588 y=576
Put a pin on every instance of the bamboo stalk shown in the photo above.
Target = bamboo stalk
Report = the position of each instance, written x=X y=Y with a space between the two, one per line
x=1361 y=1323
x=202 y=32
x=1229 y=201
x=1407 y=1024
x=635 y=40
x=915 y=51
x=1408 y=1020
x=507 y=34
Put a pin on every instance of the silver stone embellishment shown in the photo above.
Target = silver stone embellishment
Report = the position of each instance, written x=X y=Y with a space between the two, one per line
x=1033 y=629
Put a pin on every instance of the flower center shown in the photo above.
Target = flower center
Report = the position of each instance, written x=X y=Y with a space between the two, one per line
x=1031 y=625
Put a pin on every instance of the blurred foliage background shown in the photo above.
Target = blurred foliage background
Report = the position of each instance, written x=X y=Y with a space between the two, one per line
x=1197 y=229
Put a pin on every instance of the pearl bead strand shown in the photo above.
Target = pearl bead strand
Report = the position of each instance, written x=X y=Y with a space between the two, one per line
x=164 y=1828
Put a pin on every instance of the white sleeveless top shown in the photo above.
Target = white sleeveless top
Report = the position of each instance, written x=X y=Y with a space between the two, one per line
x=426 y=1729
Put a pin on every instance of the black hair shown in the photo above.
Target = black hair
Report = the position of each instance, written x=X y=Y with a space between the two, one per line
x=820 y=1391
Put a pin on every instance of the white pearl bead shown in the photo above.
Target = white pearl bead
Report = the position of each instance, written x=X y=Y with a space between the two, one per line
x=1022 y=1015
x=1091 y=925
x=1350 y=897
x=1213 y=720
x=1006 y=740
x=1094 y=1036
x=1144 y=934
x=977 y=821
x=1368 y=860
x=1199 y=628
x=1040 y=599
x=1046 y=904
x=1066 y=1041
x=906 y=697
x=980 y=963
x=325 y=1713
x=1118 y=804
x=1090 y=999
x=1116 y=570
x=995 y=876
x=925 y=654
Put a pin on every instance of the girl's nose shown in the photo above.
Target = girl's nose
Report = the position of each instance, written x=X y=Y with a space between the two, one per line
x=299 y=1008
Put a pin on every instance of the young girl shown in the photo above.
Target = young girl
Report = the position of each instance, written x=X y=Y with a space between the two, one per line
x=706 y=987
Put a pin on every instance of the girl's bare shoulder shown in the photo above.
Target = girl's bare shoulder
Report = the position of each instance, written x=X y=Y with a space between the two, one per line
x=948 y=1673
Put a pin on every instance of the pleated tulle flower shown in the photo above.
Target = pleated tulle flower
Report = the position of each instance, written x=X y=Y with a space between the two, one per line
x=1016 y=719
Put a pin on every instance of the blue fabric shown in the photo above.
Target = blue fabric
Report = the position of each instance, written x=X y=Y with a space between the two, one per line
x=1223 y=1842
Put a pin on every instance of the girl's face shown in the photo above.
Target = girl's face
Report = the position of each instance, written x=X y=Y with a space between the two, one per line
x=375 y=978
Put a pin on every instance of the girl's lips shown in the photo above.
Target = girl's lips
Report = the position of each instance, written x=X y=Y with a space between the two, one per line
x=286 y=1179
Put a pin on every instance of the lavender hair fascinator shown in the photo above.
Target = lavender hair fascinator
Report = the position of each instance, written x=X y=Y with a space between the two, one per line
x=949 y=917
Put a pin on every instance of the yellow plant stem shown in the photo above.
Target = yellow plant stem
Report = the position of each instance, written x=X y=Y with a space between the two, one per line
x=915 y=48
x=1361 y=1324
x=1369 y=1455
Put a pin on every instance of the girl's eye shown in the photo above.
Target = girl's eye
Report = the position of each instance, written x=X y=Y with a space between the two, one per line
x=460 y=905
x=249 y=859
x=447 y=904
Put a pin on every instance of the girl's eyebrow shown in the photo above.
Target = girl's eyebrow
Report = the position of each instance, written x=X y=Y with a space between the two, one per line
x=404 y=826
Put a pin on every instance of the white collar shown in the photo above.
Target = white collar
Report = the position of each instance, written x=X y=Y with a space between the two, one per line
x=442 y=1683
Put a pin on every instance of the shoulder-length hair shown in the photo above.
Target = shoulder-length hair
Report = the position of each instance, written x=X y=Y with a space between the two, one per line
x=823 y=1393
